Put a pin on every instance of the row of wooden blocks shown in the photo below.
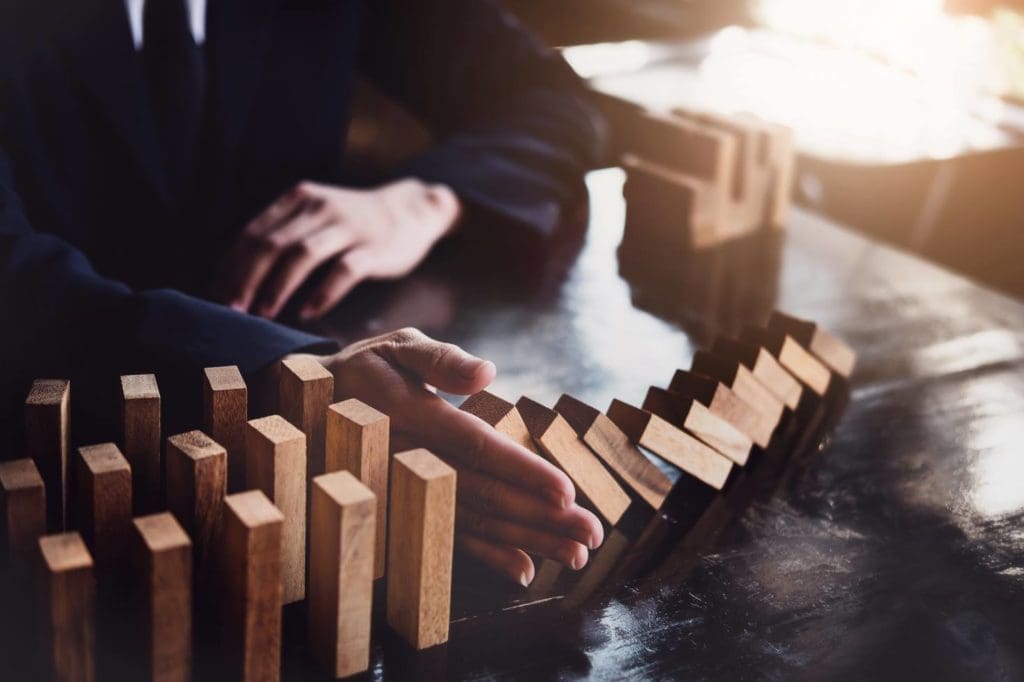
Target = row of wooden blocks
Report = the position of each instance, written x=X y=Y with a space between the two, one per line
x=233 y=540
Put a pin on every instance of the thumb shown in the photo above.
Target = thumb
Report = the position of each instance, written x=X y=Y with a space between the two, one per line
x=443 y=365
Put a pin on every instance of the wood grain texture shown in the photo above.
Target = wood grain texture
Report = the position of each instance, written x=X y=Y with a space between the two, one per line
x=696 y=419
x=765 y=368
x=162 y=598
x=740 y=379
x=671 y=444
x=276 y=464
x=47 y=442
x=421 y=535
x=249 y=561
x=196 y=485
x=560 y=444
x=140 y=443
x=792 y=356
x=358 y=440
x=103 y=482
x=500 y=414
x=22 y=510
x=724 y=403
x=306 y=389
x=825 y=346
x=225 y=412
x=68 y=593
x=341 y=572
x=615 y=449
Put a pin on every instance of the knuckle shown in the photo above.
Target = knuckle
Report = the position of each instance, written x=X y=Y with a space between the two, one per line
x=476 y=450
x=407 y=336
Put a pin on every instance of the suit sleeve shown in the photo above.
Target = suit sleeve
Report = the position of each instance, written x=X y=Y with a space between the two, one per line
x=515 y=131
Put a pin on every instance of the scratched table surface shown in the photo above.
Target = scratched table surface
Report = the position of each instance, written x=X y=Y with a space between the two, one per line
x=882 y=539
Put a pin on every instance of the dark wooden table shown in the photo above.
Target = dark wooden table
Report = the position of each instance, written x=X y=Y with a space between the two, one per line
x=883 y=540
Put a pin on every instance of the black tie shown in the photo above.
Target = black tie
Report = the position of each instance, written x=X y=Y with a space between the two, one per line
x=176 y=77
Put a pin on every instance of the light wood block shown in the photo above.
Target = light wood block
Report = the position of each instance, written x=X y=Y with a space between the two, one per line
x=792 y=356
x=249 y=560
x=742 y=381
x=196 y=485
x=22 y=510
x=421 y=537
x=358 y=440
x=140 y=420
x=162 y=557
x=68 y=591
x=615 y=449
x=47 y=441
x=830 y=349
x=724 y=403
x=225 y=413
x=276 y=464
x=764 y=367
x=560 y=444
x=306 y=389
x=341 y=571
x=500 y=414
x=103 y=482
x=697 y=420
x=671 y=444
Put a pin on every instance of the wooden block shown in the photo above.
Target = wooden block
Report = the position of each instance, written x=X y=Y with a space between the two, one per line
x=725 y=404
x=500 y=414
x=740 y=379
x=828 y=348
x=140 y=419
x=421 y=537
x=22 y=510
x=671 y=444
x=47 y=441
x=560 y=444
x=765 y=368
x=249 y=559
x=358 y=440
x=162 y=557
x=341 y=571
x=196 y=485
x=103 y=482
x=792 y=356
x=225 y=412
x=276 y=464
x=615 y=449
x=68 y=591
x=306 y=389
x=695 y=418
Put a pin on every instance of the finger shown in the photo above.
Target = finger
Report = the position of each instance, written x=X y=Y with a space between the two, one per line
x=444 y=365
x=343 y=276
x=508 y=561
x=283 y=207
x=563 y=550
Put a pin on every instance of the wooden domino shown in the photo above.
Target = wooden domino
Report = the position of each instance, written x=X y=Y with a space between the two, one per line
x=615 y=449
x=276 y=464
x=792 y=356
x=68 y=591
x=358 y=440
x=500 y=414
x=828 y=348
x=724 y=403
x=306 y=389
x=671 y=444
x=140 y=423
x=559 y=442
x=47 y=441
x=103 y=482
x=225 y=413
x=196 y=469
x=742 y=381
x=22 y=510
x=421 y=536
x=764 y=366
x=341 y=571
x=695 y=418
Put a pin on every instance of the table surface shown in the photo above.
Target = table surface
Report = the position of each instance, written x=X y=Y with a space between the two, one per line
x=882 y=540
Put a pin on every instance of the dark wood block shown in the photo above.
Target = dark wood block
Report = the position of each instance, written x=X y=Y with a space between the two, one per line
x=825 y=346
x=742 y=381
x=792 y=356
x=502 y=415
x=694 y=418
x=47 y=441
x=22 y=510
x=225 y=413
x=68 y=620
x=765 y=368
x=196 y=486
x=103 y=482
x=725 y=404
x=140 y=422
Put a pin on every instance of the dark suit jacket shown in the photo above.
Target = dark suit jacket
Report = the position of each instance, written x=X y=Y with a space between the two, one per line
x=99 y=264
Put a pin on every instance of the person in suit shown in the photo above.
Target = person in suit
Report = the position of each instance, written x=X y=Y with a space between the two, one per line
x=171 y=181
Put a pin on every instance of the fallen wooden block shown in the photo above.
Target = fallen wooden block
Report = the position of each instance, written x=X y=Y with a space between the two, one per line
x=560 y=444
x=225 y=413
x=68 y=591
x=694 y=418
x=196 y=485
x=792 y=356
x=22 y=510
x=341 y=571
x=724 y=403
x=47 y=437
x=140 y=423
x=421 y=537
x=500 y=414
x=765 y=368
x=615 y=449
x=358 y=440
x=276 y=464
x=671 y=444
x=306 y=389
x=740 y=379
x=104 y=496
x=831 y=350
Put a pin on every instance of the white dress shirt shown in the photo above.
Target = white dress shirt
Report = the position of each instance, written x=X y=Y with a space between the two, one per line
x=196 y=13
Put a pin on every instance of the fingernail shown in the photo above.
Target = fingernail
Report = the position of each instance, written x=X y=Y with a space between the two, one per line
x=306 y=313
x=593 y=542
x=578 y=563
x=523 y=580
x=238 y=305
x=468 y=366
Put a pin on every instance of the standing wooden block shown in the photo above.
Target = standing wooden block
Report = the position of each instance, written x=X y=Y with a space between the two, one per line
x=671 y=444
x=615 y=449
x=724 y=403
x=162 y=557
x=22 y=510
x=196 y=485
x=47 y=441
x=249 y=554
x=500 y=414
x=693 y=417
x=740 y=379
x=421 y=537
x=358 y=438
x=140 y=419
x=103 y=481
x=225 y=412
x=341 y=571
x=306 y=389
x=764 y=367
x=559 y=442
x=828 y=348
x=276 y=464
x=792 y=356
x=68 y=591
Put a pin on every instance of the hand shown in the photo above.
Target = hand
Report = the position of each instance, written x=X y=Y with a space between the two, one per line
x=510 y=501
x=381 y=233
